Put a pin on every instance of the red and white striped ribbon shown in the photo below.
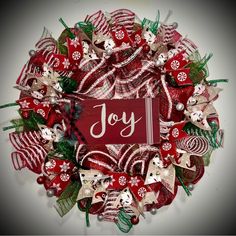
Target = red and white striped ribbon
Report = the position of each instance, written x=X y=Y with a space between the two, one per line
x=194 y=145
x=98 y=160
x=167 y=32
x=30 y=153
x=99 y=21
x=111 y=211
x=47 y=45
x=123 y=17
x=187 y=45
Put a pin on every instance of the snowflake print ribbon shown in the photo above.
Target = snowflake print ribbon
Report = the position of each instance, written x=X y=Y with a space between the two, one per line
x=59 y=174
x=135 y=184
x=75 y=54
x=29 y=103
x=168 y=149
x=121 y=37
x=175 y=66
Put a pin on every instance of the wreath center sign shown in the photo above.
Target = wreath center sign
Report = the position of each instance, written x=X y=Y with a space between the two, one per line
x=120 y=121
x=115 y=116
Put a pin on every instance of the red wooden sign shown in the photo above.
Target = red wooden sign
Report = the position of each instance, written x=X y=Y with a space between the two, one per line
x=120 y=121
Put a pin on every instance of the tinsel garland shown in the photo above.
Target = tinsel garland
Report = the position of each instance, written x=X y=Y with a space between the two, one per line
x=115 y=56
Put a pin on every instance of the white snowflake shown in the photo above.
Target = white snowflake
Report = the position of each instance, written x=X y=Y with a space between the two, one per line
x=142 y=191
x=175 y=64
x=50 y=164
x=75 y=42
x=66 y=63
x=120 y=34
x=56 y=62
x=76 y=55
x=175 y=132
x=65 y=166
x=64 y=177
x=56 y=186
x=24 y=104
x=122 y=180
x=134 y=181
x=41 y=112
x=182 y=76
x=166 y=146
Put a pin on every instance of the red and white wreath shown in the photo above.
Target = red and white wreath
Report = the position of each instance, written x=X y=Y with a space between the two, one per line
x=115 y=56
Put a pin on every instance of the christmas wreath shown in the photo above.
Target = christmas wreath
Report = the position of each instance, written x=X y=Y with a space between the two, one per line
x=115 y=58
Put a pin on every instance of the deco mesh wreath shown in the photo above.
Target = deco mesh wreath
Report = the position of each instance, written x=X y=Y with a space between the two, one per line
x=115 y=56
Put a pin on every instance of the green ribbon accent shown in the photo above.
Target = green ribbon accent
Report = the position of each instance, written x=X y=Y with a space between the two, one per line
x=80 y=208
x=181 y=181
x=51 y=153
x=66 y=149
x=71 y=35
x=8 y=105
x=204 y=61
x=217 y=81
x=198 y=68
x=28 y=124
x=86 y=210
x=152 y=25
x=62 y=48
x=11 y=127
x=206 y=158
x=87 y=28
x=123 y=223
x=67 y=199
x=68 y=85
x=88 y=205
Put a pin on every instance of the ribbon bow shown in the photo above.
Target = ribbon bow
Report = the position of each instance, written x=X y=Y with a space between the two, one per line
x=179 y=139
x=59 y=174
x=168 y=149
x=41 y=107
x=175 y=67
x=135 y=184
x=75 y=54
x=166 y=175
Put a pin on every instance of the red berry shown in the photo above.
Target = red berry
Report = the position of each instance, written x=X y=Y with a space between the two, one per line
x=25 y=114
x=134 y=220
x=41 y=179
x=146 y=48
